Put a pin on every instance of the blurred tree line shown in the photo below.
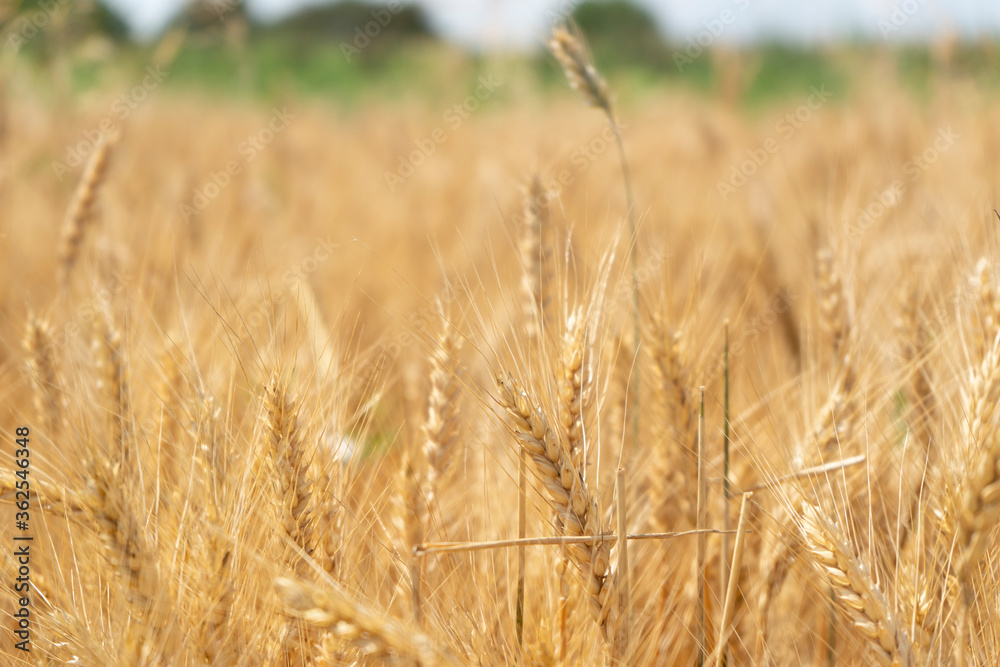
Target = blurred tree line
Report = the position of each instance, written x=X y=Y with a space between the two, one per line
x=349 y=46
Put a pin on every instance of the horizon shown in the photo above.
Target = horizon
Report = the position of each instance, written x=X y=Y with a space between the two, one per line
x=521 y=24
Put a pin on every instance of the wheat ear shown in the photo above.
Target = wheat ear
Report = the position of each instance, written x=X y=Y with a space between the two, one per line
x=126 y=548
x=914 y=349
x=441 y=426
x=41 y=362
x=536 y=252
x=571 y=53
x=832 y=304
x=987 y=313
x=290 y=460
x=979 y=504
x=674 y=397
x=570 y=496
x=110 y=354
x=571 y=388
x=837 y=420
x=372 y=633
x=81 y=210
x=981 y=399
x=858 y=597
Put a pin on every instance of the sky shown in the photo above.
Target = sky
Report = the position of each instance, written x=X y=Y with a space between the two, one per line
x=522 y=23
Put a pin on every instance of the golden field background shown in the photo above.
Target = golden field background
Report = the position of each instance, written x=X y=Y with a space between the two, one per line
x=222 y=402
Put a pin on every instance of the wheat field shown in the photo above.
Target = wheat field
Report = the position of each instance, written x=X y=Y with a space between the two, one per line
x=297 y=378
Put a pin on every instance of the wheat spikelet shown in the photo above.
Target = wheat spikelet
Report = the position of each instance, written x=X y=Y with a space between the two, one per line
x=126 y=549
x=571 y=405
x=110 y=354
x=441 y=425
x=857 y=595
x=616 y=395
x=330 y=521
x=170 y=389
x=670 y=368
x=832 y=303
x=39 y=347
x=120 y=533
x=571 y=53
x=979 y=504
x=290 y=461
x=215 y=633
x=571 y=498
x=987 y=312
x=372 y=633
x=571 y=389
x=81 y=210
x=536 y=252
x=837 y=420
x=982 y=396
x=914 y=350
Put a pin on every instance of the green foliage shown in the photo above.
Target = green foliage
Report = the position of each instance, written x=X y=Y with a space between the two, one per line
x=784 y=71
x=620 y=33
x=344 y=20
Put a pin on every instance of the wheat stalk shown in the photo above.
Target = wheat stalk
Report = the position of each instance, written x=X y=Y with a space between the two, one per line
x=571 y=52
